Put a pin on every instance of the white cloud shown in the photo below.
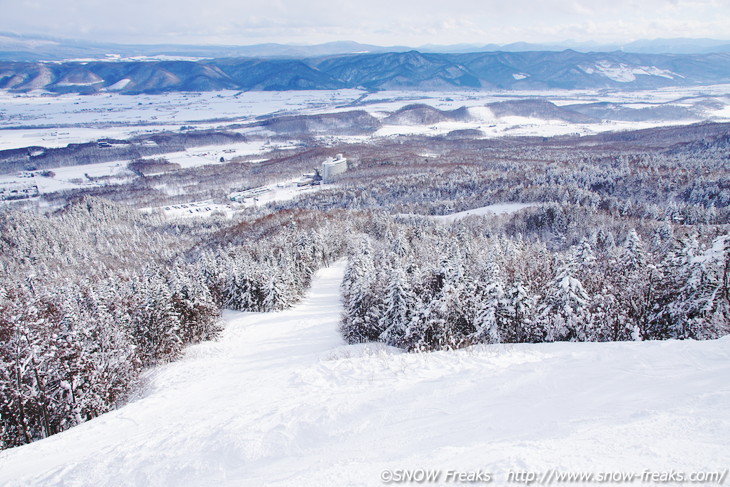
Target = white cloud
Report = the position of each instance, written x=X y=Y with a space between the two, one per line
x=376 y=21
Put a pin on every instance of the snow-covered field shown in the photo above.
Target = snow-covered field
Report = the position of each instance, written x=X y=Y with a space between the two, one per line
x=280 y=400
x=57 y=120
x=389 y=101
x=37 y=108
x=520 y=127
x=496 y=209
x=48 y=120
x=71 y=177
x=114 y=172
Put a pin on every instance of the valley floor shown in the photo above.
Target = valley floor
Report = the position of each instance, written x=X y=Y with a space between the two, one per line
x=280 y=400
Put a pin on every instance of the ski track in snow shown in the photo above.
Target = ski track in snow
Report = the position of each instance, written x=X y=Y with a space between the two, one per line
x=280 y=400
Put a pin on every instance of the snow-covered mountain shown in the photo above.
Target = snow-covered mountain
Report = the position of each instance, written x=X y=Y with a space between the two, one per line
x=410 y=70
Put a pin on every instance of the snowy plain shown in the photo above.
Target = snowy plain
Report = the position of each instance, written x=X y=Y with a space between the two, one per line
x=50 y=120
x=280 y=400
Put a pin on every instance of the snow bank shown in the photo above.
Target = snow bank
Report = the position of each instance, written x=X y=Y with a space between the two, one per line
x=280 y=400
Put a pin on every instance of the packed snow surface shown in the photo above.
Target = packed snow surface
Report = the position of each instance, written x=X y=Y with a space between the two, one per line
x=280 y=400
x=496 y=209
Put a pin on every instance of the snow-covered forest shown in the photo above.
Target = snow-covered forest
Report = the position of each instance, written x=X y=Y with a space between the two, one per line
x=423 y=286
x=92 y=295
x=623 y=237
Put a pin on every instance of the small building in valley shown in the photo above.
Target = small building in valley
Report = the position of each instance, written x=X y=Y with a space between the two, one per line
x=253 y=194
x=311 y=179
x=18 y=191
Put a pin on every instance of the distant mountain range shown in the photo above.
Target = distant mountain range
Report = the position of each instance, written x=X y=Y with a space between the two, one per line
x=14 y=47
x=410 y=70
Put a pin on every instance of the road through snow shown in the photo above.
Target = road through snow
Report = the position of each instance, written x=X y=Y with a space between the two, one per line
x=280 y=400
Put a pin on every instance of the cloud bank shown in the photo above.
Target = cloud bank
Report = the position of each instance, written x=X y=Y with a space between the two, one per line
x=382 y=22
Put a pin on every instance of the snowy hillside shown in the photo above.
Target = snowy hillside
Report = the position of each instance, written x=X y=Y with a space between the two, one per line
x=280 y=400
x=410 y=70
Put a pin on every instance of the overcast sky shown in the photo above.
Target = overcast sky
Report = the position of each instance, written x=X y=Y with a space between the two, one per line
x=382 y=22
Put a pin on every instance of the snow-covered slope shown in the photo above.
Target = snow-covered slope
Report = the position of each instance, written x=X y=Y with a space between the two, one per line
x=496 y=209
x=280 y=400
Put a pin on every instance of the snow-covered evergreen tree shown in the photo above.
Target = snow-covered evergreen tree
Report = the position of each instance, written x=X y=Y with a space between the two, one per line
x=399 y=307
x=492 y=321
x=564 y=313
